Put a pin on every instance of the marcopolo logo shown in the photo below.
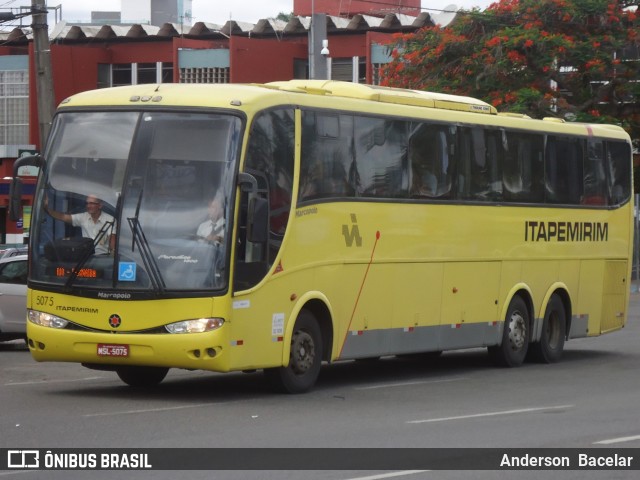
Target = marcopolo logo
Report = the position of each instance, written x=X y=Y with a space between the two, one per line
x=23 y=459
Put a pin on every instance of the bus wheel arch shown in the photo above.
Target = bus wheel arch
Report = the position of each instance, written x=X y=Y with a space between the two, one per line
x=516 y=331
x=554 y=328
x=307 y=349
x=323 y=316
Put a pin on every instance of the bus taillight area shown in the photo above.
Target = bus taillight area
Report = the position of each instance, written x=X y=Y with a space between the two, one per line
x=106 y=351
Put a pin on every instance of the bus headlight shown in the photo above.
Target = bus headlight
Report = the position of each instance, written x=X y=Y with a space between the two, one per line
x=46 y=319
x=199 y=325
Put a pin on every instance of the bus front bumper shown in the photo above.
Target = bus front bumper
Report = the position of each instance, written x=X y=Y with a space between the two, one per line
x=198 y=351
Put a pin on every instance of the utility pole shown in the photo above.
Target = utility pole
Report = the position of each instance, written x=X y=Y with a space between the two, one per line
x=317 y=37
x=43 y=70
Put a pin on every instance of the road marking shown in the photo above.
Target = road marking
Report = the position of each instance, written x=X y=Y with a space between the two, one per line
x=389 y=475
x=617 y=440
x=492 y=414
x=40 y=382
x=405 y=384
x=152 y=410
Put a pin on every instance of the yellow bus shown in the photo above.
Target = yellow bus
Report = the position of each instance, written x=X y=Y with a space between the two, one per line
x=280 y=226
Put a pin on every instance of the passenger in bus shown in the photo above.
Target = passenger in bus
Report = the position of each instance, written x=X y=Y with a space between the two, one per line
x=212 y=229
x=90 y=222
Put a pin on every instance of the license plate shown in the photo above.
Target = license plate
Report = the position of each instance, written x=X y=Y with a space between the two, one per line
x=109 y=350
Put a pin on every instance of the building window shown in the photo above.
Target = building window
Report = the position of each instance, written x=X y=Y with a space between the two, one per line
x=147 y=73
x=204 y=75
x=349 y=69
x=300 y=68
x=120 y=74
x=14 y=107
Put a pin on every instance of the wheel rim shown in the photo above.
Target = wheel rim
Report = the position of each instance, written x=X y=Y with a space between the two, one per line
x=303 y=352
x=517 y=330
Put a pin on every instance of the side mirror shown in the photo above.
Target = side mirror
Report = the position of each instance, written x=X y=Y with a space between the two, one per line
x=15 y=190
x=15 y=199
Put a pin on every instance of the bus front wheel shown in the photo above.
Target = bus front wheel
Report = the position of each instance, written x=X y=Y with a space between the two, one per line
x=142 y=377
x=305 y=358
x=549 y=348
x=515 y=335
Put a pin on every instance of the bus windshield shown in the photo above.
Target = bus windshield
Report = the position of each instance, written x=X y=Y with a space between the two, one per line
x=136 y=201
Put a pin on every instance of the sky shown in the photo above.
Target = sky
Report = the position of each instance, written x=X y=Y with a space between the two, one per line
x=213 y=11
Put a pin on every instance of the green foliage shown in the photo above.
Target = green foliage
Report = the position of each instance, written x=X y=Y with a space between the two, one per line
x=285 y=17
x=563 y=58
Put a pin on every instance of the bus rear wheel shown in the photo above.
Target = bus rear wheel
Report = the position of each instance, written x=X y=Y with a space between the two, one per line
x=142 y=377
x=554 y=326
x=305 y=358
x=515 y=335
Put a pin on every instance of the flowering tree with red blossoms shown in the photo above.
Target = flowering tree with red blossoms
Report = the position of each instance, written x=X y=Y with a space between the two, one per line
x=574 y=59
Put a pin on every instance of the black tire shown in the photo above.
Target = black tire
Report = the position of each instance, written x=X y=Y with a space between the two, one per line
x=142 y=377
x=305 y=358
x=554 y=326
x=515 y=335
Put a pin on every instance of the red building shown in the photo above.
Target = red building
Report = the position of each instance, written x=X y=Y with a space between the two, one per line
x=86 y=57
x=349 y=8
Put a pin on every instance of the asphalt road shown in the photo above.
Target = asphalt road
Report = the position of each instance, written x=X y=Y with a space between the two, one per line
x=588 y=401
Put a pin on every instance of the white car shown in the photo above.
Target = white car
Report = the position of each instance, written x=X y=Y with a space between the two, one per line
x=12 y=251
x=13 y=297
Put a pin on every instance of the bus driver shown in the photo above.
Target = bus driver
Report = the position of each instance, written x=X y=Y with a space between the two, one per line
x=91 y=222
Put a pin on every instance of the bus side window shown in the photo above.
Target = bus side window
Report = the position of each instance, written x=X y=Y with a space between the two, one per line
x=326 y=156
x=431 y=163
x=381 y=157
x=595 y=177
x=522 y=167
x=619 y=166
x=563 y=170
x=465 y=167
x=270 y=157
x=477 y=168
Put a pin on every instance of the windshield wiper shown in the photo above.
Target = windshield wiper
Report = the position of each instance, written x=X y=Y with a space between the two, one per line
x=139 y=239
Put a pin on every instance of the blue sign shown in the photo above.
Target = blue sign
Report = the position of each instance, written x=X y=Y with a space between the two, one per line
x=127 y=272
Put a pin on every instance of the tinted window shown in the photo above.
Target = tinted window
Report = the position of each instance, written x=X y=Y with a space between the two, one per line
x=619 y=165
x=564 y=170
x=595 y=175
x=327 y=167
x=346 y=155
x=271 y=152
x=522 y=167
x=381 y=157
x=270 y=158
x=430 y=153
x=478 y=167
